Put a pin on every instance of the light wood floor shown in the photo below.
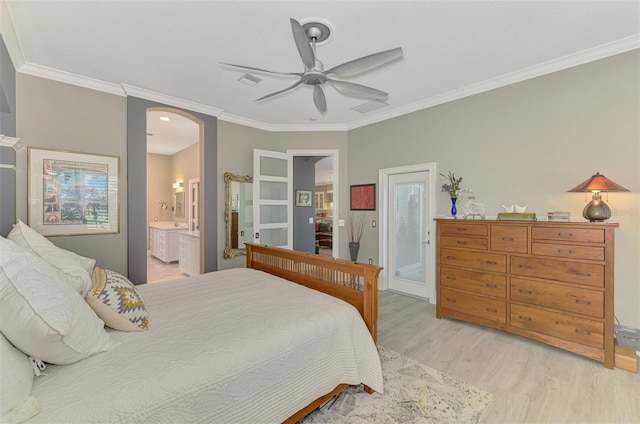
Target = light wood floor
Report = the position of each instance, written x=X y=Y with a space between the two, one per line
x=159 y=271
x=531 y=382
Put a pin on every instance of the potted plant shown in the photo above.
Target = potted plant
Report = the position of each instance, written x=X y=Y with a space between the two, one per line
x=355 y=229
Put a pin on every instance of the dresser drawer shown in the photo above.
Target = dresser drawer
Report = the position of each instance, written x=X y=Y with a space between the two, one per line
x=593 y=253
x=571 y=272
x=463 y=229
x=585 y=235
x=458 y=241
x=475 y=260
x=567 y=327
x=509 y=239
x=482 y=307
x=473 y=281
x=571 y=299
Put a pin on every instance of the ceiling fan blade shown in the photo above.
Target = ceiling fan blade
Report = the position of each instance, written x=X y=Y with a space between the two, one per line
x=281 y=91
x=302 y=42
x=367 y=62
x=319 y=99
x=261 y=70
x=357 y=90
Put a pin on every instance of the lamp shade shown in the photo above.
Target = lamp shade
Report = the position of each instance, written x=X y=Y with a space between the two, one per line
x=597 y=210
x=597 y=183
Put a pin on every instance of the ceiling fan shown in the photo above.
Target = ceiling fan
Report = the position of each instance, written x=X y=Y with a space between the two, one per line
x=314 y=73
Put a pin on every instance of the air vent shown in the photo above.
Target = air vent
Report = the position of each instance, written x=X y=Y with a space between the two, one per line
x=370 y=106
x=249 y=80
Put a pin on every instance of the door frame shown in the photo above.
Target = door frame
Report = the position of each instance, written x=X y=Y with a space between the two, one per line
x=383 y=227
x=333 y=153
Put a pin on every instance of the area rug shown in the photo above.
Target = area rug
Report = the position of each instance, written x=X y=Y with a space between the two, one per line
x=413 y=393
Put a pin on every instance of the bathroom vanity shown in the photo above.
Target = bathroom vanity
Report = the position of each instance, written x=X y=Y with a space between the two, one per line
x=164 y=240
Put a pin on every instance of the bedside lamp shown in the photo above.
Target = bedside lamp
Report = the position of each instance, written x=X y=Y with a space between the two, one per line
x=597 y=210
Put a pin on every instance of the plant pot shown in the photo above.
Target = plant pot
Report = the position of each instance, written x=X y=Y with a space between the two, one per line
x=353 y=251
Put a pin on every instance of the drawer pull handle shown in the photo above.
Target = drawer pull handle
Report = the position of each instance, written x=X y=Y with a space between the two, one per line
x=491 y=286
x=491 y=262
x=461 y=229
x=451 y=278
x=507 y=238
x=495 y=311
x=451 y=300
x=565 y=234
x=523 y=318
x=461 y=242
x=566 y=251
x=525 y=266
x=450 y=257
x=585 y=332
x=525 y=291
x=583 y=302
x=583 y=274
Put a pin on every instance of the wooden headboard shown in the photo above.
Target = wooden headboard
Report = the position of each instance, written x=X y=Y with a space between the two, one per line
x=352 y=282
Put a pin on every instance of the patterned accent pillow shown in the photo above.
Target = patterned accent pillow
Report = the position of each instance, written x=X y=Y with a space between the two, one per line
x=117 y=302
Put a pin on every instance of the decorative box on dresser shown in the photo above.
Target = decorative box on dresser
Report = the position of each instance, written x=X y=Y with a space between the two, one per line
x=548 y=281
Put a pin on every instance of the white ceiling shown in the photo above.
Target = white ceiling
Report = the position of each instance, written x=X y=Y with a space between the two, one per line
x=170 y=50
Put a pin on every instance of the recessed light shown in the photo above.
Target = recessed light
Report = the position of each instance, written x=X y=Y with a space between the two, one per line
x=165 y=118
x=249 y=80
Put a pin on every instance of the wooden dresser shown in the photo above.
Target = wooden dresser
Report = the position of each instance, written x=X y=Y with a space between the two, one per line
x=548 y=281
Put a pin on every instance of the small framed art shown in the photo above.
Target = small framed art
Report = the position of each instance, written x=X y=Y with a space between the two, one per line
x=363 y=197
x=72 y=193
x=303 y=197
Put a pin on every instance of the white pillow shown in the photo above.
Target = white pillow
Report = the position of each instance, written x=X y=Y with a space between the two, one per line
x=77 y=269
x=16 y=381
x=41 y=314
x=117 y=302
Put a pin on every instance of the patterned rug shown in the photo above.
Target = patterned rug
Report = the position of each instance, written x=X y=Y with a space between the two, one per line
x=413 y=393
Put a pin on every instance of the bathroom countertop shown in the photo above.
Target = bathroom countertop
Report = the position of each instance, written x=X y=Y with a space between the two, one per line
x=168 y=225
x=195 y=234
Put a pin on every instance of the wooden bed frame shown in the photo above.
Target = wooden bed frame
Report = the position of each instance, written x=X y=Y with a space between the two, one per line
x=352 y=282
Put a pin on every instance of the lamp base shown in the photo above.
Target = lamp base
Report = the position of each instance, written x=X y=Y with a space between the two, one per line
x=596 y=210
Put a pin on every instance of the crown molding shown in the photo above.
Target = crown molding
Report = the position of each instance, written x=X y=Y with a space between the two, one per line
x=70 y=78
x=9 y=35
x=142 y=93
x=585 y=56
x=575 y=59
x=12 y=142
x=235 y=119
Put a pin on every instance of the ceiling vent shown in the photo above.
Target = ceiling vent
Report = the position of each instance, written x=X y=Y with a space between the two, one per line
x=370 y=106
x=249 y=80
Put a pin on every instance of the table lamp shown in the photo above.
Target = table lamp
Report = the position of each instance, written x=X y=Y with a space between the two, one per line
x=597 y=210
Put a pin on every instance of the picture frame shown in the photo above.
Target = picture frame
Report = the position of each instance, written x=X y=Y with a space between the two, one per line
x=72 y=193
x=363 y=197
x=304 y=198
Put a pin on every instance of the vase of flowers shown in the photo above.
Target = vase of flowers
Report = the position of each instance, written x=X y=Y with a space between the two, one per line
x=355 y=228
x=452 y=186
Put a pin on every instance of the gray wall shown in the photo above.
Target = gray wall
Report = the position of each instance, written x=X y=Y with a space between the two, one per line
x=137 y=200
x=55 y=115
x=7 y=92
x=528 y=144
x=304 y=177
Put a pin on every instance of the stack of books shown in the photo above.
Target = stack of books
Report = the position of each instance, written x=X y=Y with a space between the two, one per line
x=559 y=216
x=516 y=216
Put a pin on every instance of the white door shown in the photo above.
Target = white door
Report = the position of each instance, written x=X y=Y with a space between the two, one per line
x=408 y=233
x=272 y=194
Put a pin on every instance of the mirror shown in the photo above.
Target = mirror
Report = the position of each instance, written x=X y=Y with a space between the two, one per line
x=178 y=209
x=238 y=214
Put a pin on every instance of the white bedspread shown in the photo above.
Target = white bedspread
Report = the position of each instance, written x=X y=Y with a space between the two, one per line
x=234 y=346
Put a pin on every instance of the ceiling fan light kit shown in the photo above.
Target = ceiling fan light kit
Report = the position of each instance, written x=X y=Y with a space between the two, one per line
x=306 y=38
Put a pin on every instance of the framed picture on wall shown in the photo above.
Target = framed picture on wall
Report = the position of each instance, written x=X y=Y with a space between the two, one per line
x=303 y=198
x=72 y=193
x=363 y=197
